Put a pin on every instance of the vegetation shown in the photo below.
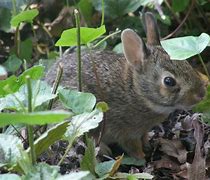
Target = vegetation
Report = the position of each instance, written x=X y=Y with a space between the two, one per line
x=30 y=35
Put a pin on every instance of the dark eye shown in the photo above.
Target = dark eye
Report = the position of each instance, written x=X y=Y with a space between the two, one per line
x=169 y=81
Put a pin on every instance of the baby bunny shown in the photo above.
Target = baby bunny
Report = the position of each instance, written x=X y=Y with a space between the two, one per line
x=141 y=87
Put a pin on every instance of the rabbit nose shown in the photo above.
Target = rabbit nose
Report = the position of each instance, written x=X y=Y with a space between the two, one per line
x=200 y=95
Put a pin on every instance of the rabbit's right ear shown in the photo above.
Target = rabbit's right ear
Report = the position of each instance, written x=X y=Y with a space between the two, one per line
x=151 y=28
x=134 y=47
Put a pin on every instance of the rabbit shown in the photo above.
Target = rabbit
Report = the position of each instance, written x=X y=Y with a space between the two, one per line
x=142 y=86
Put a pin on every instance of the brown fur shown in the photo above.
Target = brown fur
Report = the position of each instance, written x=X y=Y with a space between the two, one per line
x=133 y=87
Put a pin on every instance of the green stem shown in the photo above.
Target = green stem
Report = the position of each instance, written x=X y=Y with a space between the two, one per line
x=25 y=65
x=67 y=3
x=67 y=150
x=56 y=84
x=17 y=41
x=29 y=127
x=107 y=37
x=102 y=12
x=14 y=11
x=204 y=66
x=79 y=62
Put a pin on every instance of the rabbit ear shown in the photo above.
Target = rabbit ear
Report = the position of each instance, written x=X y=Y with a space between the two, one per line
x=134 y=47
x=151 y=28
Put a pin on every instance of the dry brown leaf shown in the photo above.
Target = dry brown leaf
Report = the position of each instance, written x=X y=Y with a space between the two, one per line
x=196 y=170
x=174 y=148
x=116 y=165
x=166 y=162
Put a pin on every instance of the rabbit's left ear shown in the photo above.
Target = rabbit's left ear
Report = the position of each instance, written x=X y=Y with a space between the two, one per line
x=151 y=28
x=134 y=48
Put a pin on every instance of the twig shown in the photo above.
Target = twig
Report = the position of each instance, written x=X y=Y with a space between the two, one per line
x=181 y=24
x=204 y=66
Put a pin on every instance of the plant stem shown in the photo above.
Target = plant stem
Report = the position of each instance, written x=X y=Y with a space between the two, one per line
x=17 y=41
x=102 y=12
x=107 y=37
x=204 y=66
x=67 y=150
x=79 y=62
x=29 y=127
x=67 y=3
x=56 y=84
x=14 y=11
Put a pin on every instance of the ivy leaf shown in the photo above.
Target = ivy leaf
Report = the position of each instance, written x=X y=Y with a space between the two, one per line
x=76 y=101
x=87 y=35
x=13 y=63
x=13 y=83
x=185 y=47
x=41 y=93
x=103 y=169
x=83 y=123
x=24 y=16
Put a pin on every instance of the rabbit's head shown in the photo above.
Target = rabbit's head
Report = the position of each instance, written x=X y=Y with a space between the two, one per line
x=163 y=83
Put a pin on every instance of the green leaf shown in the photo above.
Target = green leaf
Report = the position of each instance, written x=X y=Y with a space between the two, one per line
x=36 y=72
x=118 y=48
x=179 y=5
x=24 y=16
x=41 y=93
x=78 y=102
x=204 y=106
x=81 y=175
x=185 y=47
x=87 y=35
x=13 y=83
x=9 y=177
x=5 y=22
x=104 y=168
x=50 y=137
x=89 y=159
x=118 y=8
x=86 y=9
x=26 y=47
x=36 y=118
x=42 y=171
x=9 y=149
x=83 y=123
x=13 y=63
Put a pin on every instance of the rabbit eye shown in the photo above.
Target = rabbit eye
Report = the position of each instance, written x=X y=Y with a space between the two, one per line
x=169 y=81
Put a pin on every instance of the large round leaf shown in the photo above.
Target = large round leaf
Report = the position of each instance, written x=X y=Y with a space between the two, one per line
x=185 y=47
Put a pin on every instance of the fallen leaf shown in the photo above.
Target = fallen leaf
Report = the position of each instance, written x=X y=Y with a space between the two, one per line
x=174 y=148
